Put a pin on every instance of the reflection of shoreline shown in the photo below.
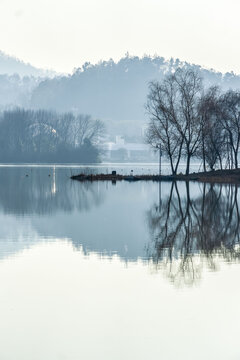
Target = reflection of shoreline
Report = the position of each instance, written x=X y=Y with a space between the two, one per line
x=54 y=207
x=45 y=191
x=189 y=233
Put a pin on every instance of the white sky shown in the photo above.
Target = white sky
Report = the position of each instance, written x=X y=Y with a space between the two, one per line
x=63 y=34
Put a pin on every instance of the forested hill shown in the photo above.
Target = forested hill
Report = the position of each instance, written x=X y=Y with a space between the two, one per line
x=115 y=91
x=17 y=81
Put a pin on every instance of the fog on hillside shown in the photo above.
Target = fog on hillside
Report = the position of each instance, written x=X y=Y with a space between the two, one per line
x=114 y=92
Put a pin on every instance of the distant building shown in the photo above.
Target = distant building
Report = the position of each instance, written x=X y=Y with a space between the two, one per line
x=122 y=151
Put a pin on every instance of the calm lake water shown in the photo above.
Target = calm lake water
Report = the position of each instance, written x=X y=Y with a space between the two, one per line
x=117 y=271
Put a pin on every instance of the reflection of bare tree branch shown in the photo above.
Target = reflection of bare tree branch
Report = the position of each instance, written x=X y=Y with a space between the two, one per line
x=188 y=232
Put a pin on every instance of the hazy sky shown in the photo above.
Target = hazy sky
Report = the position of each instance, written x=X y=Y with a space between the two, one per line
x=63 y=34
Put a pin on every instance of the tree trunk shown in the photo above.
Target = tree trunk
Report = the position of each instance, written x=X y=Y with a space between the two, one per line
x=172 y=166
x=220 y=161
x=188 y=164
x=236 y=159
x=203 y=156
x=204 y=164
x=231 y=158
x=178 y=158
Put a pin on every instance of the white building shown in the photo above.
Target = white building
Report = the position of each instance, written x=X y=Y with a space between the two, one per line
x=122 y=151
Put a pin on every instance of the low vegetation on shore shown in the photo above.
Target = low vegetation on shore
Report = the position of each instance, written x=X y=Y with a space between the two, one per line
x=218 y=176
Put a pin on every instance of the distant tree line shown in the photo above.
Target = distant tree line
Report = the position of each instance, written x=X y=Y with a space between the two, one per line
x=189 y=120
x=46 y=136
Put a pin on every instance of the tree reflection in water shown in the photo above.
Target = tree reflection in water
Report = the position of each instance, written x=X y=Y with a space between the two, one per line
x=189 y=233
x=41 y=191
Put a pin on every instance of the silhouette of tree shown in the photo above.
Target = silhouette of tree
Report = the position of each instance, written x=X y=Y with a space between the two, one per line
x=173 y=106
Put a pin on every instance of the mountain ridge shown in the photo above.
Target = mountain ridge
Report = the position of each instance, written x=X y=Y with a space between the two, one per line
x=116 y=91
x=113 y=91
x=10 y=65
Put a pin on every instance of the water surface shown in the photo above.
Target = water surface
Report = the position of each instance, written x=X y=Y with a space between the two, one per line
x=117 y=271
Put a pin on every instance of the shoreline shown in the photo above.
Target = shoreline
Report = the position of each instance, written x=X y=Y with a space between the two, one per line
x=217 y=176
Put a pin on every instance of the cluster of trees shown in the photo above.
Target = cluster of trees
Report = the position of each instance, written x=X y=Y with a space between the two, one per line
x=46 y=136
x=189 y=120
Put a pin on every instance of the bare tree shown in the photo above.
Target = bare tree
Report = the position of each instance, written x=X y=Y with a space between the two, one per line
x=229 y=115
x=212 y=143
x=84 y=127
x=173 y=106
x=162 y=108
x=190 y=90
